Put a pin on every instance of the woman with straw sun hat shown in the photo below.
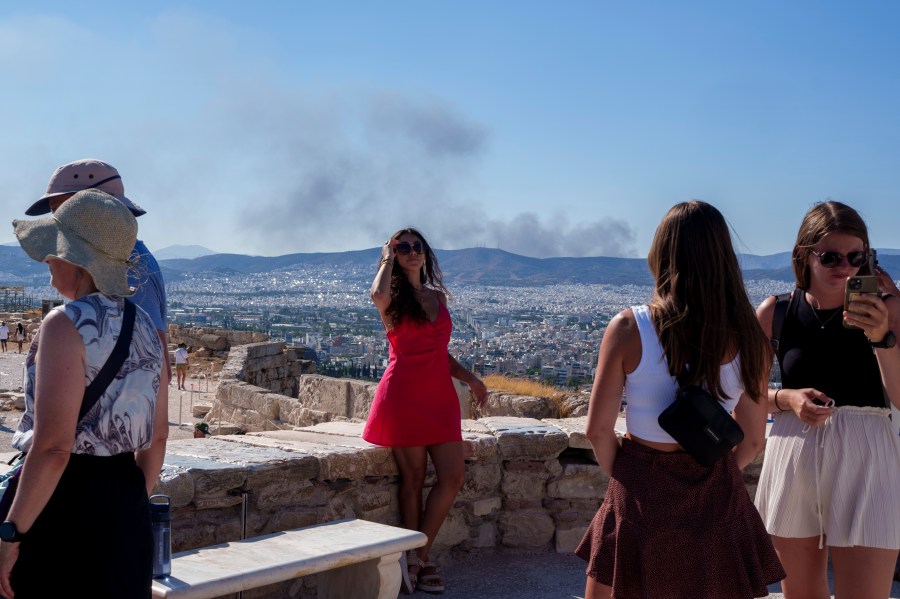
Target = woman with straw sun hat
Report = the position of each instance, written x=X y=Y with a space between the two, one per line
x=81 y=505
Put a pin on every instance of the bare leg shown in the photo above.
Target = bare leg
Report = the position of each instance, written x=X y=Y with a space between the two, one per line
x=806 y=566
x=862 y=572
x=450 y=468
x=595 y=590
x=411 y=462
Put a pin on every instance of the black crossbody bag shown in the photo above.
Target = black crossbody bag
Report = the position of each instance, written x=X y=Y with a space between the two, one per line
x=92 y=393
x=699 y=423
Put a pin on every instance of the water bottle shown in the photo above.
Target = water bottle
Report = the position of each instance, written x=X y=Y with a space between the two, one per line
x=161 y=523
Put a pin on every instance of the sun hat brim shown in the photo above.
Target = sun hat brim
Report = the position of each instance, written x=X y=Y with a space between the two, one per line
x=93 y=231
x=42 y=206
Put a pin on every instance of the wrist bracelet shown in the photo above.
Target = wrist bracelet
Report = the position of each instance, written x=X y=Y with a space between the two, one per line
x=780 y=409
x=385 y=261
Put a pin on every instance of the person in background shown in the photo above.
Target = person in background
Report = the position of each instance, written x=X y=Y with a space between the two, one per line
x=81 y=513
x=20 y=335
x=182 y=363
x=201 y=430
x=669 y=526
x=416 y=409
x=830 y=481
x=144 y=275
x=4 y=335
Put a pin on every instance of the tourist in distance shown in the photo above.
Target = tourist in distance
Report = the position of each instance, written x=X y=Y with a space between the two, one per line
x=4 y=335
x=831 y=475
x=80 y=515
x=20 y=336
x=182 y=363
x=416 y=409
x=669 y=526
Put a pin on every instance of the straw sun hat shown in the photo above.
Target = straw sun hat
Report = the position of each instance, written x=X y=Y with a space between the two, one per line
x=92 y=230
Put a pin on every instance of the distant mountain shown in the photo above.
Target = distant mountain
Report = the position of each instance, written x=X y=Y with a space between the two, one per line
x=484 y=266
x=174 y=252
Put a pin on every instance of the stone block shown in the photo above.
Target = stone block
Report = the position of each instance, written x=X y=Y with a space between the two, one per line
x=360 y=397
x=580 y=481
x=483 y=507
x=526 y=529
x=521 y=406
x=482 y=480
x=566 y=540
x=574 y=428
x=485 y=535
x=453 y=531
x=214 y=342
x=524 y=484
x=178 y=484
x=526 y=438
x=325 y=394
x=480 y=447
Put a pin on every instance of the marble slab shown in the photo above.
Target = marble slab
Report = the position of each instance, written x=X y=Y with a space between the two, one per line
x=241 y=565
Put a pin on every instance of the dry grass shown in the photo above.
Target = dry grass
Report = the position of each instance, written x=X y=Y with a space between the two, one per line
x=497 y=382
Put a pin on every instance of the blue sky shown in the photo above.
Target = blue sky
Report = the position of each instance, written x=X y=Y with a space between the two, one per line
x=544 y=128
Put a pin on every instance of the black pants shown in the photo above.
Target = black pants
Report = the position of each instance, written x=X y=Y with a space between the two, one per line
x=93 y=538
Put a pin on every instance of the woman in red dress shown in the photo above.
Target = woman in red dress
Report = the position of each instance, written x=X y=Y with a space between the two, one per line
x=416 y=409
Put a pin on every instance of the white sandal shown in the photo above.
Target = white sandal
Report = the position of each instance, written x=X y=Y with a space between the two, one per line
x=431 y=581
x=407 y=561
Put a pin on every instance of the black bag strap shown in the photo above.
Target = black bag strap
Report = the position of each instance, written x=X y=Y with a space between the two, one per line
x=781 y=307
x=113 y=364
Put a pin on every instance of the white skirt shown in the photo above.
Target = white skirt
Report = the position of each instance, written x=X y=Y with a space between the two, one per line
x=840 y=480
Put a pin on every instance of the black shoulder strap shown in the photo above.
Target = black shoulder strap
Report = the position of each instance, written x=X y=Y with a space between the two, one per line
x=781 y=307
x=113 y=364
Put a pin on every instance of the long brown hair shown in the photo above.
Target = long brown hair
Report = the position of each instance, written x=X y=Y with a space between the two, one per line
x=700 y=307
x=403 y=296
x=824 y=218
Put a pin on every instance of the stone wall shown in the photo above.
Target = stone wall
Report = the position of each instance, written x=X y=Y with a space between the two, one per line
x=258 y=387
x=212 y=341
x=530 y=485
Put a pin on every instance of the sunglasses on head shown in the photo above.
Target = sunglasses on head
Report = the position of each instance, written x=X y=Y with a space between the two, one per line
x=833 y=259
x=404 y=248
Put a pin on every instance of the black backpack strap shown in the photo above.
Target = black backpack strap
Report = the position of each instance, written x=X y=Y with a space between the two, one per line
x=781 y=308
x=113 y=364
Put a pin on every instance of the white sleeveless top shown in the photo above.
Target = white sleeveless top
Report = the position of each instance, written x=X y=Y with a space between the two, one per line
x=650 y=389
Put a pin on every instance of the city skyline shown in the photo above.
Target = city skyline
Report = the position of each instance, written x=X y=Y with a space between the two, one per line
x=542 y=129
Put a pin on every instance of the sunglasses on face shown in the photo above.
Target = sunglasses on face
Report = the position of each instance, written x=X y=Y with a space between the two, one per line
x=833 y=259
x=404 y=248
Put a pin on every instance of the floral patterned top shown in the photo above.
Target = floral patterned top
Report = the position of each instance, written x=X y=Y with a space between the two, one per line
x=122 y=419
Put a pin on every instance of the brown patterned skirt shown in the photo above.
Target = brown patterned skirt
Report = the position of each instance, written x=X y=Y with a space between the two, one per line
x=671 y=528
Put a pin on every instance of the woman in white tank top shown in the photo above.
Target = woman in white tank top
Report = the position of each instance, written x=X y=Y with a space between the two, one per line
x=669 y=526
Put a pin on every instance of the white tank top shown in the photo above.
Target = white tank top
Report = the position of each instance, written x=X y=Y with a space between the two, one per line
x=650 y=389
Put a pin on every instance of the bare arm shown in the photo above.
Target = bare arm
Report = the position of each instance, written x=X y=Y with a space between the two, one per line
x=620 y=352
x=461 y=373
x=381 y=286
x=150 y=460
x=751 y=417
x=58 y=394
x=799 y=401
x=167 y=368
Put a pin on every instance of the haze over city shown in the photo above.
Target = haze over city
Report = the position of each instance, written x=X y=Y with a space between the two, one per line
x=542 y=128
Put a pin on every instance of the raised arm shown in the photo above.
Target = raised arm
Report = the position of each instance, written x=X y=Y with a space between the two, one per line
x=381 y=286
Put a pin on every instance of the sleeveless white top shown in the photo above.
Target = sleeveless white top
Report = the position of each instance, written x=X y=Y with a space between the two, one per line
x=122 y=419
x=650 y=389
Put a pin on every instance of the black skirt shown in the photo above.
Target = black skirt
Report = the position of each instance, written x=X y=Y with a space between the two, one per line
x=93 y=538
x=670 y=528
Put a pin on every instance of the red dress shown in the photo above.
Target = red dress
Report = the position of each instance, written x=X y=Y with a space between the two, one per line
x=416 y=403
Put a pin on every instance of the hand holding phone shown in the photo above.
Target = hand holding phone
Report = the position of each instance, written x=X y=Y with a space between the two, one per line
x=855 y=288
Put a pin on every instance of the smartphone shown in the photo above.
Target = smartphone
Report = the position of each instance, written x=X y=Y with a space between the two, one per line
x=855 y=287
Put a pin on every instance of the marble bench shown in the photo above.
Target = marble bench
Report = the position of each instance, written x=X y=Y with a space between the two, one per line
x=354 y=558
